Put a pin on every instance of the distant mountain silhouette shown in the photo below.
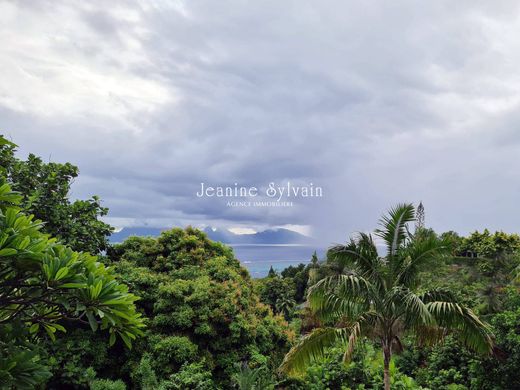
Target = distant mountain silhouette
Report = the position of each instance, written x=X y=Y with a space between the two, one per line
x=266 y=237
x=269 y=236
x=143 y=231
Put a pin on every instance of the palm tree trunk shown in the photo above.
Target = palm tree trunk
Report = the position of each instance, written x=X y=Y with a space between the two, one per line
x=387 y=354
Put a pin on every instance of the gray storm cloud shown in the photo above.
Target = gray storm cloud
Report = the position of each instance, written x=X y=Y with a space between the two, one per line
x=377 y=102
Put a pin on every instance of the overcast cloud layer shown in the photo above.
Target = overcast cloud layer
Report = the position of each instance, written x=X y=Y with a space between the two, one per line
x=377 y=102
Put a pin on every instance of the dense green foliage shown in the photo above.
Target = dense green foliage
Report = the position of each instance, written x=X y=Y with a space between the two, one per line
x=210 y=326
x=42 y=285
x=285 y=291
x=45 y=189
x=448 y=365
x=203 y=310
x=380 y=298
x=484 y=263
x=203 y=315
x=300 y=277
x=278 y=293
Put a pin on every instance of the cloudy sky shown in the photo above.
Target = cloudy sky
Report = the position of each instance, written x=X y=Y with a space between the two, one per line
x=377 y=102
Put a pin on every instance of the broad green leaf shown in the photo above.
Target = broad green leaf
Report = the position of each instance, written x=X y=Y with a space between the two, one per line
x=60 y=328
x=73 y=285
x=50 y=331
x=25 y=242
x=126 y=340
x=8 y=252
x=62 y=272
x=92 y=321
x=121 y=314
x=112 y=339
x=4 y=141
x=34 y=328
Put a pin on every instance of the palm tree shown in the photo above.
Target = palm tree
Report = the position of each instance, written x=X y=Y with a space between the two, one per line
x=252 y=378
x=379 y=297
x=285 y=305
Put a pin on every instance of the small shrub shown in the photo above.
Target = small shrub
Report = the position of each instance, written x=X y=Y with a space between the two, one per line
x=107 y=384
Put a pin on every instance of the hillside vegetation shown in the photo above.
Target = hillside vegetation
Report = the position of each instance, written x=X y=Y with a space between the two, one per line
x=432 y=311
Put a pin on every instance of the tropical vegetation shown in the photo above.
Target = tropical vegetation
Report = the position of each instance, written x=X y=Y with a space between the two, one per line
x=45 y=287
x=379 y=297
x=402 y=308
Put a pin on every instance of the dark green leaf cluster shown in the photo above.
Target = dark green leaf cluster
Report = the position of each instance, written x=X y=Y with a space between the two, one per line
x=203 y=311
x=44 y=190
x=379 y=297
x=43 y=284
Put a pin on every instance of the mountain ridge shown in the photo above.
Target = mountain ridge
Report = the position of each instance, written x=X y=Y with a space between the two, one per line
x=265 y=237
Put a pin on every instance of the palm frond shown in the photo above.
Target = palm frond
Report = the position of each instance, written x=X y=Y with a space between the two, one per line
x=331 y=307
x=429 y=335
x=364 y=326
x=474 y=333
x=410 y=307
x=357 y=253
x=393 y=227
x=449 y=314
x=311 y=348
x=417 y=254
x=338 y=292
x=437 y=294
x=360 y=254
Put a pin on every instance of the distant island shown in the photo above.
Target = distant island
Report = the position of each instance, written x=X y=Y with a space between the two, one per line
x=277 y=236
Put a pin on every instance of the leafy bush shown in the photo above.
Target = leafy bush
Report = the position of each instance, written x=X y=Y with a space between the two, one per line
x=248 y=378
x=44 y=190
x=43 y=285
x=205 y=315
x=501 y=371
x=191 y=376
x=107 y=384
x=171 y=352
x=363 y=372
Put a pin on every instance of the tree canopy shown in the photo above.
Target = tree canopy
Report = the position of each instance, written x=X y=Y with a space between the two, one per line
x=210 y=326
x=45 y=189
x=379 y=297
x=204 y=313
x=43 y=284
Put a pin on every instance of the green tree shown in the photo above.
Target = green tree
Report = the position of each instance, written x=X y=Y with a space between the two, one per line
x=443 y=366
x=493 y=259
x=204 y=312
x=258 y=378
x=453 y=241
x=491 y=246
x=285 y=305
x=272 y=273
x=502 y=372
x=45 y=189
x=419 y=218
x=274 y=290
x=379 y=297
x=43 y=284
x=300 y=276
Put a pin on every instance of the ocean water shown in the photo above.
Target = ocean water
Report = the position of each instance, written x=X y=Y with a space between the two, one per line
x=259 y=258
